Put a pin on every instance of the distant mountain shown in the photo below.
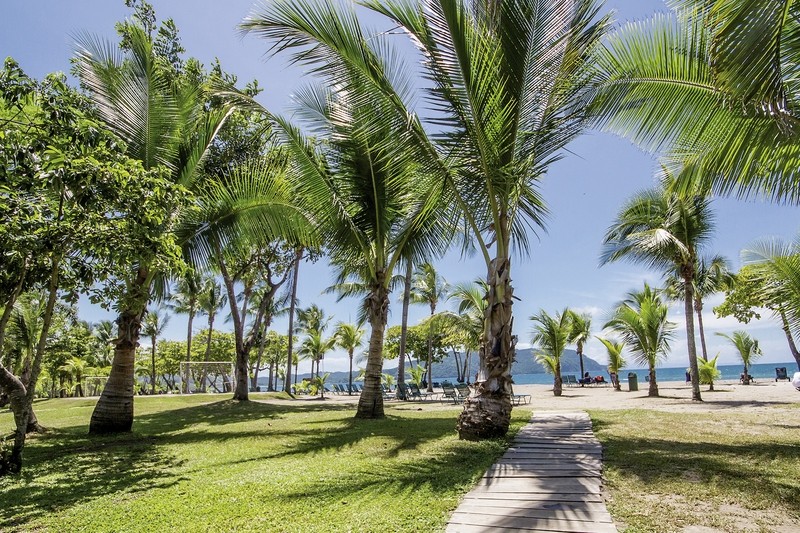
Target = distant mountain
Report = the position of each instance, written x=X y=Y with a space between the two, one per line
x=524 y=364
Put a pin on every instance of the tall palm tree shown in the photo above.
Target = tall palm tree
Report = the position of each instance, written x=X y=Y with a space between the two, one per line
x=615 y=359
x=314 y=348
x=551 y=335
x=748 y=350
x=365 y=187
x=76 y=369
x=210 y=300
x=184 y=301
x=509 y=80
x=471 y=307
x=580 y=334
x=428 y=287
x=641 y=321
x=153 y=325
x=665 y=231
x=712 y=89
x=349 y=337
x=712 y=275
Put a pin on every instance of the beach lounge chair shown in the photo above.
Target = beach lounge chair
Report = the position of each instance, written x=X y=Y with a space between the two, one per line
x=387 y=393
x=462 y=390
x=417 y=393
x=449 y=393
x=518 y=399
x=780 y=373
x=570 y=380
x=404 y=392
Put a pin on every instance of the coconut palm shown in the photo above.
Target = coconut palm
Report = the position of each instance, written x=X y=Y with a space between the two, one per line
x=665 y=231
x=747 y=348
x=105 y=332
x=712 y=275
x=184 y=301
x=508 y=84
x=428 y=287
x=349 y=337
x=314 y=348
x=471 y=307
x=153 y=325
x=712 y=89
x=551 y=335
x=365 y=187
x=581 y=331
x=641 y=321
x=210 y=300
x=615 y=360
x=709 y=371
x=75 y=368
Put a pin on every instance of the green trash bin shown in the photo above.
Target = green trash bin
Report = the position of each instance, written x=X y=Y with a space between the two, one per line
x=633 y=382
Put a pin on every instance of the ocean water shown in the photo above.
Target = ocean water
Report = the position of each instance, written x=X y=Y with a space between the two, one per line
x=764 y=371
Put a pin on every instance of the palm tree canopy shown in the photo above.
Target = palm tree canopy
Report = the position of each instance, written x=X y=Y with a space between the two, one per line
x=614 y=349
x=551 y=333
x=154 y=323
x=712 y=89
x=581 y=328
x=349 y=336
x=746 y=346
x=212 y=298
x=641 y=321
x=659 y=229
x=428 y=286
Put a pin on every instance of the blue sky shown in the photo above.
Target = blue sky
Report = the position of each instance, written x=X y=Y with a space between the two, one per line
x=583 y=191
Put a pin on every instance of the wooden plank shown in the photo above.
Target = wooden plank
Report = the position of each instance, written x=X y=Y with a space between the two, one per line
x=527 y=524
x=487 y=502
x=579 y=515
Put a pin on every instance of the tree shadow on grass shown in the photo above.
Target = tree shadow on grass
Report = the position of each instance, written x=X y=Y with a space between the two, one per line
x=737 y=466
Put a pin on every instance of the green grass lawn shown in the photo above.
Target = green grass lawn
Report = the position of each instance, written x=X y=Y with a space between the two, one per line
x=727 y=470
x=191 y=465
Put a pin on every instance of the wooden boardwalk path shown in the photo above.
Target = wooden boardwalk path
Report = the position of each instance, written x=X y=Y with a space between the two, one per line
x=548 y=480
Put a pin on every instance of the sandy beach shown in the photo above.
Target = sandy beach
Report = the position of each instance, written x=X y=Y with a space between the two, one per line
x=764 y=395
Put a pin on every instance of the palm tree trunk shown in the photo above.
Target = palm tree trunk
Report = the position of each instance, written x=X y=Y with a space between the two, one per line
x=350 y=380
x=690 y=342
x=698 y=307
x=16 y=395
x=207 y=357
x=789 y=338
x=153 y=368
x=401 y=363
x=580 y=357
x=287 y=382
x=185 y=386
x=653 y=391
x=487 y=411
x=370 y=403
x=558 y=386
x=114 y=410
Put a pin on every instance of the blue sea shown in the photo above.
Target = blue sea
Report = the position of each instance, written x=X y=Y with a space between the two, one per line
x=764 y=371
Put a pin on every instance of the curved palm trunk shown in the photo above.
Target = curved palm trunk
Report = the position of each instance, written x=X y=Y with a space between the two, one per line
x=12 y=464
x=153 y=367
x=287 y=382
x=692 y=348
x=114 y=410
x=653 y=390
x=370 y=403
x=580 y=356
x=487 y=411
x=789 y=338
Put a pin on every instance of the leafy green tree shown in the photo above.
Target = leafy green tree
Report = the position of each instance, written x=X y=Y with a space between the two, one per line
x=580 y=334
x=711 y=89
x=168 y=365
x=615 y=360
x=641 y=321
x=349 y=337
x=665 y=231
x=153 y=325
x=551 y=334
x=747 y=348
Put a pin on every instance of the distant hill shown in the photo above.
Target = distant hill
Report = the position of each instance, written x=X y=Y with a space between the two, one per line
x=524 y=364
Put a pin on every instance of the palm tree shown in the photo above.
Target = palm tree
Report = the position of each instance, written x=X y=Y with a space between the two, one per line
x=775 y=269
x=509 y=94
x=349 y=337
x=711 y=89
x=76 y=369
x=210 y=300
x=551 y=335
x=471 y=308
x=581 y=331
x=641 y=321
x=712 y=275
x=709 y=371
x=748 y=350
x=105 y=333
x=428 y=287
x=364 y=185
x=314 y=348
x=184 y=301
x=153 y=325
x=615 y=360
x=665 y=231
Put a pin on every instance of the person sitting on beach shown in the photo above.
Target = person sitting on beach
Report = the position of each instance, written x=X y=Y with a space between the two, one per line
x=599 y=379
x=585 y=380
